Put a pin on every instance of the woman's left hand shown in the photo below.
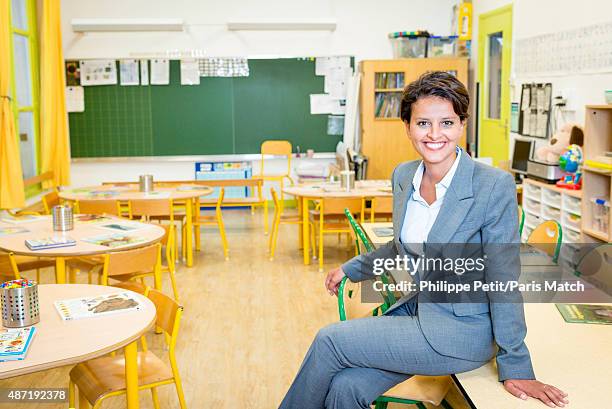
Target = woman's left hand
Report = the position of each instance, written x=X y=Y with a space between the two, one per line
x=522 y=388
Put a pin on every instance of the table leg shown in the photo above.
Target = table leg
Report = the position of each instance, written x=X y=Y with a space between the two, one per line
x=189 y=233
x=300 y=231
x=131 y=374
x=60 y=270
x=305 y=232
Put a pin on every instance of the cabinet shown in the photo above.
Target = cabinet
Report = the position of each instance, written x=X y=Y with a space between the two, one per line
x=383 y=134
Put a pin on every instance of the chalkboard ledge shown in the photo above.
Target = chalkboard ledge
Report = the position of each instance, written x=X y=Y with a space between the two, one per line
x=195 y=158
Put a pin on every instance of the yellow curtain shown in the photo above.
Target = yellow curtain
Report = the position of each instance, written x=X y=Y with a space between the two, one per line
x=55 y=145
x=11 y=177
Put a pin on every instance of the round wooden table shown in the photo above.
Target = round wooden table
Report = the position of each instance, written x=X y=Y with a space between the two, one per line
x=316 y=191
x=43 y=227
x=125 y=192
x=58 y=343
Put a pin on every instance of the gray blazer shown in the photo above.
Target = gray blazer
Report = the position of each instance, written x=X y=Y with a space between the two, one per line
x=479 y=207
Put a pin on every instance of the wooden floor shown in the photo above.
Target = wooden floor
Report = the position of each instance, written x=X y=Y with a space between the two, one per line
x=247 y=324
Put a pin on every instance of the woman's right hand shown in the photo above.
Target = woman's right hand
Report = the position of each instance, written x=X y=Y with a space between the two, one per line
x=333 y=279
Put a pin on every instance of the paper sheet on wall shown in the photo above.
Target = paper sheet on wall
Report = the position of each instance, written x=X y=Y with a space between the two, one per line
x=98 y=72
x=336 y=81
x=128 y=72
x=160 y=72
x=75 y=99
x=323 y=104
x=144 y=72
x=324 y=64
x=190 y=72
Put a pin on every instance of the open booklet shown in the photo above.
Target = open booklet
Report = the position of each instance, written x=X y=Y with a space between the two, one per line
x=15 y=342
x=586 y=313
x=114 y=240
x=87 y=307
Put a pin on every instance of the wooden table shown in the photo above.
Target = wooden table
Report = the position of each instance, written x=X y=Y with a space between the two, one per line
x=124 y=193
x=317 y=191
x=58 y=343
x=377 y=241
x=15 y=243
x=573 y=357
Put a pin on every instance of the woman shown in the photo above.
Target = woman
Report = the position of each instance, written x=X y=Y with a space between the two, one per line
x=445 y=198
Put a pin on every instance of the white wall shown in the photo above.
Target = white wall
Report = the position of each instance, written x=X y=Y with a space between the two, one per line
x=533 y=18
x=362 y=26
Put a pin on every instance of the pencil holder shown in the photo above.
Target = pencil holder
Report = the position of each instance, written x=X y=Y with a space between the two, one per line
x=19 y=303
x=146 y=183
x=347 y=180
x=63 y=219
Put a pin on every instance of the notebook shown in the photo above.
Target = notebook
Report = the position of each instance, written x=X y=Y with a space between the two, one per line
x=87 y=307
x=28 y=218
x=49 y=243
x=585 y=313
x=15 y=342
x=383 y=231
x=114 y=240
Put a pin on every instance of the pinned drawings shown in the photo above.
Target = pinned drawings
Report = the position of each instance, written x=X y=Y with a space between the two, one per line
x=160 y=72
x=75 y=99
x=129 y=72
x=190 y=72
x=144 y=72
x=98 y=72
x=337 y=72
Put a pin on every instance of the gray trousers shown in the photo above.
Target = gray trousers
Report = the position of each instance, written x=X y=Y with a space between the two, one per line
x=351 y=363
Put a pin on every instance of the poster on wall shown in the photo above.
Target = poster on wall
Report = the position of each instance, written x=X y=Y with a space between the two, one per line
x=129 y=72
x=160 y=72
x=75 y=99
x=144 y=72
x=98 y=72
x=190 y=72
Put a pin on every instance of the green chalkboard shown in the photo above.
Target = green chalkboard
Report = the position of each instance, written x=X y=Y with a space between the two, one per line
x=219 y=116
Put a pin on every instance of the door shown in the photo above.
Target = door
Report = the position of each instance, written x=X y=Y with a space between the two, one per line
x=494 y=53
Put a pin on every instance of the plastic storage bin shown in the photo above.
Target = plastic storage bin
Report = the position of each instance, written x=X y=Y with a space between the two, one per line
x=412 y=44
x=531 y=206
x=571 y=236
x=531 y=191
x=551 y=198
x=572 y=221
x=572 y=204
x=532 y=221
x=601 y=214
x=551 y=213
x=441 y=46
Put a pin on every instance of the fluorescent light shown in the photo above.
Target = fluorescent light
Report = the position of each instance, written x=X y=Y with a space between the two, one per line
x=126 y=24
x=281 y=26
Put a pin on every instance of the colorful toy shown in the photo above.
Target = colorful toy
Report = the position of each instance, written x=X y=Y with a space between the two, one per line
x=570 y=162
x=569 y=134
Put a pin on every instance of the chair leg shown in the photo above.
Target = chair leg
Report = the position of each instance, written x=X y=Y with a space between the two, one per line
x=155 y=398
x=198 y=239
x=420 y=405
x=265 y=217
x=179 y=392
x=320 y=247
x=71 y=393
x=252 y=210
x=173 y=282
x=38 y=275
x=223 y=237
x=83 y=402
x=72 y=275
x=274 y=236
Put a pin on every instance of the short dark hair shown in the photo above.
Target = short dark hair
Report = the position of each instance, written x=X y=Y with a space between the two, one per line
x=436 y=84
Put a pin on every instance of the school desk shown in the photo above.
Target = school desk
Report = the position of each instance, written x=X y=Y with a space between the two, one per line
x=43 y=227
x=369 y=230
x=306 y=192
x=58 y=343
x=124 y=193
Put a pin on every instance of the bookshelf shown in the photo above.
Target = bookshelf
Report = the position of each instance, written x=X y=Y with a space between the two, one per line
x=597 y=183
x=383 y=134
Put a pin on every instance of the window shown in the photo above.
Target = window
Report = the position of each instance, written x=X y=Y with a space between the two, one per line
x=24 y=85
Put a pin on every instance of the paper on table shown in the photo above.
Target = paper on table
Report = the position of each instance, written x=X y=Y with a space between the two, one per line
x=323 y=104
x=190 y=72
x=75 y=99
x=128 y=72
x=144 y=72
x=160 y=72
x=98 y=72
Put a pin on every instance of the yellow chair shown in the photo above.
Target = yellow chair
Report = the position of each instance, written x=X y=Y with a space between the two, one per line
x=209 y=220
x=98 y=207
x=381 y=207
x=547 y=236
x=8 y=267
x=50 y=199
x=278 y=148
x=280 y=218
x=101 y=378
x=329 y=217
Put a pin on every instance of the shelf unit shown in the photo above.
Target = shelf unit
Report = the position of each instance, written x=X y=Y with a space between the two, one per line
x=542 y=202
x=597 y=183
x=383 y=134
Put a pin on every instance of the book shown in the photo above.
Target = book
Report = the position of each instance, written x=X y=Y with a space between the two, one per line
x=88 y=307
x=7 y=231
x=102 y=193
x=49 y=243
x=114 y=240
x=15 y=342
x=383 y=231
x=586 y=313
x=28 y=218
x=123 y=226
x=91 y=218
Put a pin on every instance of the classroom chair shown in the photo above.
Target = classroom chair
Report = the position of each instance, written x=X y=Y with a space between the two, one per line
x=521 y=216
x=381 y=207
x=51 y=199
x=278 y=148
x=547 y=236
x=209 y=220
x=280 y=218
x=415 y=391
x=328 y=217
x=101 y=378
x=8 y=267
x=98 y=207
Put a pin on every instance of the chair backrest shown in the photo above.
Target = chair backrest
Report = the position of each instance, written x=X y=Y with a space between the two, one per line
x=547 y=237
x=336 y=205
x=596 y=267
x=382 y=204
x=140 y=260
x=349 y=302
x=276 y=147
x=168 y=311
x=359 y=233
x=8 y=267
x=50 y=199
x=521 y=216
x=98 y=207
x=150 y=207
x=133 y=286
